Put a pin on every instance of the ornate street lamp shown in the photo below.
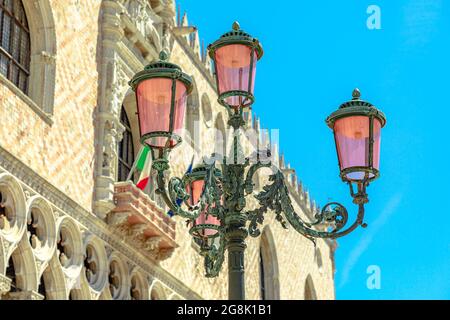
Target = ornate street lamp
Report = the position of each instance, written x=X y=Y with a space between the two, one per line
x=235 y=55
x=161 y=95
x=213 y=196
x=207 y=225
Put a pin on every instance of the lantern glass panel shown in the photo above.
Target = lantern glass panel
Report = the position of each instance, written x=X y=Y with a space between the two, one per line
x=195 y=190
x=352 y=136
x=154 y=98
x=233 y=64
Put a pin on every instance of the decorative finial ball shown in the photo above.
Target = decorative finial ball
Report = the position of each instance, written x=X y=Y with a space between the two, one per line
x=236 y=26
x=163 y=55
x=356 y=94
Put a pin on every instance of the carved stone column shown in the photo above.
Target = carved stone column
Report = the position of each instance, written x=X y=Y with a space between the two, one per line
x=108 y=127
x=5 y=285
x=131 y=36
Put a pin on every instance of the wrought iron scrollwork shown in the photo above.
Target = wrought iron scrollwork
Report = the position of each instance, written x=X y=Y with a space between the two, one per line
x=275 y=197
x=224 y=191
x=172 y=192
x=214 y=256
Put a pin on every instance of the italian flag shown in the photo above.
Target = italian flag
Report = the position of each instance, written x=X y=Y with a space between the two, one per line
x=144 y=165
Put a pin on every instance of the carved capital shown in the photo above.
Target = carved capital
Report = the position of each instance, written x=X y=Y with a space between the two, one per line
x=152 y=243
x=137 y=230
x=5 y=284
x=118 y=219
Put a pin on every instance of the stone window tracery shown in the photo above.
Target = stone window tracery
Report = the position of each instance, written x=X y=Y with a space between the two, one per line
x=118 y=282
x=90 y=264
x=269 y=281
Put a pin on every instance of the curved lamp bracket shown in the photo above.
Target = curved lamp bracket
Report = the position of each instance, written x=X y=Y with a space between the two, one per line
x=276 y=197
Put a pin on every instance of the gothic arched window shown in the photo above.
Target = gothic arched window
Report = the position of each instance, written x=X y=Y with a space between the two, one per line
x=14 y=43
x=126 y=149
x=310 y=291
x=262 y=279
x=268 y=267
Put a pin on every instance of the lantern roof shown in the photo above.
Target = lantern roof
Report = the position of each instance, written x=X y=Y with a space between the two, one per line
x=236 y=36
x=162 y=68
x=356 y=107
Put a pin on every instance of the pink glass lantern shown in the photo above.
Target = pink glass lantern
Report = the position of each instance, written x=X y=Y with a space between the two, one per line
x=357 y=131
x=161 y=96
x=235 y=57
x=233 y=63
x=154 y=101
x=195 y=189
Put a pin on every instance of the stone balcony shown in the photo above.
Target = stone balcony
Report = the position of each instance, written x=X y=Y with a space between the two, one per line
x=141 y=220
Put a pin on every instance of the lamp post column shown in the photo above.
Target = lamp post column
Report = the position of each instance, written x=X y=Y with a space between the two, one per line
x=235 y=228
x=235 y=236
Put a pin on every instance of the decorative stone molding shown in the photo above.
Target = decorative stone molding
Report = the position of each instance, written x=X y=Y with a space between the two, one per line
x=119 y=278
x=65 y=206
x=132 y=32
x=23 y=295
x=43 y=53
x=13 y=218
x=140 y=219
x=5 y=285
x=41 y=222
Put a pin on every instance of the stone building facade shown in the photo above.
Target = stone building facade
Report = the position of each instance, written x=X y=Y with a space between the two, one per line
x=68 y=228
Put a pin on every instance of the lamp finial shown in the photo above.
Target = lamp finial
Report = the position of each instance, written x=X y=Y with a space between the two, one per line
x=163 y=55
x=356 y=94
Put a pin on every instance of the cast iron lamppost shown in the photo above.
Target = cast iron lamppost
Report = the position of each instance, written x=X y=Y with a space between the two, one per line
x=213 y=196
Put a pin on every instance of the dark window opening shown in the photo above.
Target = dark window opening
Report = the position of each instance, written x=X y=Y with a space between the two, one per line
x=126 y=149
x=15 y=44
x=11 y=274
x=262 y=276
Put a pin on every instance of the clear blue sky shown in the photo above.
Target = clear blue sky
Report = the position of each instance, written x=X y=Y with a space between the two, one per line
x=316 y=52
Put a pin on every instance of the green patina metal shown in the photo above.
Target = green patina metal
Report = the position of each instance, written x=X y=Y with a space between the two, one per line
x=163 y=69
x=237 y=36
x=228 y=184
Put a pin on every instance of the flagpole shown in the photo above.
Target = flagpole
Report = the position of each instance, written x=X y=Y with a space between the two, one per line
x=133 y=168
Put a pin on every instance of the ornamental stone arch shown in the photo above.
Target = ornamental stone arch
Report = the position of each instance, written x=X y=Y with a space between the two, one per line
x=81 y=292
x=130 y=107
x=13 y=217
x=220 y=134
x=53 y=282
x=41 y=228
x=43 y=53
x=96 y=267
x=207 y=114
x=174 y=296
x=310 y=290
x=25 y=267
x=192 y=119
x=119 y=279
x=139 y=286
x=269 y=266
x=156 y=291
x=69 y=249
